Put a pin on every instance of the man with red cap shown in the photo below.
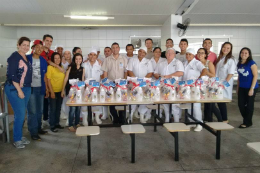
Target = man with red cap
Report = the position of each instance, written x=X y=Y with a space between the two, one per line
x=39 y=89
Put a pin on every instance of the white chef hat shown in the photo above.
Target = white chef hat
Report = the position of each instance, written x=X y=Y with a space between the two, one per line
x=96 y=48
x=93 y=51
x=59 y=46
x=143 y=48
x=190 y=50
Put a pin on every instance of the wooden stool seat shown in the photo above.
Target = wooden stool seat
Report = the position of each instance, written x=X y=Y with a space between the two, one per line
x=185 y=106
x=153 y=107
x=255 y=146
x=176 y=127
x=219 y=126
x=88 y=131
x=121 y=108
x=136 y=128
x=132 y=130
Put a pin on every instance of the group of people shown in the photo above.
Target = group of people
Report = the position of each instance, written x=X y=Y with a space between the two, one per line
x=39 y=82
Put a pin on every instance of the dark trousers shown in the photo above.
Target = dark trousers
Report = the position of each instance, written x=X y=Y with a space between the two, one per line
x=46 y=109
x=116 y=118
x=223 y=111
x=246 y=105
x=209 y=109
x=55 y=108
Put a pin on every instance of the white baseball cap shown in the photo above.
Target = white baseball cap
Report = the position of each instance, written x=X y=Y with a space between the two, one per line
x=59 y=46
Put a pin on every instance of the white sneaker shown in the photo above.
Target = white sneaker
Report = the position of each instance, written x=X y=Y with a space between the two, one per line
x=45 y=123
x=142 y=119
x=97 y=119
x=198 y=128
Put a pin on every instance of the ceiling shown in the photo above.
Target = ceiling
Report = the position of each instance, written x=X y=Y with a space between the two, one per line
x=225 y=12
x=126 y=12
x=51 y=12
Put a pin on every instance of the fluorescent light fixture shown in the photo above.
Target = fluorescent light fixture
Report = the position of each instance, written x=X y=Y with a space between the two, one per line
x=90 y=17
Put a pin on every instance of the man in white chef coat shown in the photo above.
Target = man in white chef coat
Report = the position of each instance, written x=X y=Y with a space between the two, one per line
x=140 y=67
x=168 y=69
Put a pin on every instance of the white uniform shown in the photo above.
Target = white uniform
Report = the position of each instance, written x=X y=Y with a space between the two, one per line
x=223 y=70
x=65 y=109
x=193 y=70
x=154 y=64
x=140 y=69
x=93 y=72
x=165 y=69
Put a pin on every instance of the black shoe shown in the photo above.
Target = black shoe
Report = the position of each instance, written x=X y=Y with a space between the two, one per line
x=59 y=127
x=42 y=132
x=36 y=137
x=54 y=130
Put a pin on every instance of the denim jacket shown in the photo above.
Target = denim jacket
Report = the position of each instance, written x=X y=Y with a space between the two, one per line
x=43 y=67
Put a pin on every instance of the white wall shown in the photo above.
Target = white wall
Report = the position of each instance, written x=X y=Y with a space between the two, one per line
x=8 y=41
x=70 y=37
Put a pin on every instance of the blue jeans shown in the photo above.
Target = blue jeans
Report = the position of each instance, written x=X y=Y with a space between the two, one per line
x=54 y=109
x=74 y=110
x=19 y=107
x=34 y=111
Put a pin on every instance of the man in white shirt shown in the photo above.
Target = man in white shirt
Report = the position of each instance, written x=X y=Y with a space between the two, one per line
x=183 y=46
x=167 y=69
x=140 y=67
x=130 y=52
x=93 y=71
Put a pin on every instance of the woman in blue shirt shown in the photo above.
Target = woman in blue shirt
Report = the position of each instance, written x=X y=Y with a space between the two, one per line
x=247 y=86
x=18 y=88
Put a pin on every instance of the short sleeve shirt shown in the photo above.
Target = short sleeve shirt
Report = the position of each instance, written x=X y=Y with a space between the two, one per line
x=245 y=75
x=180 y=57
x=47 y=55
x=93 y=72
x=193 y=69
x=154 y=63
x=140 y=69
x=36 y=73
x=115 y=68
x=163 y=68
x=56 y=77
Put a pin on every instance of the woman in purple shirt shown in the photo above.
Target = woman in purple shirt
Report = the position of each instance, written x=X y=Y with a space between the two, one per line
x=247 y=86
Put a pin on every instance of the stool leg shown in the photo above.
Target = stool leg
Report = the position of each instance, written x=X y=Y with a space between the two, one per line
x=133 y=147
x=218 y=145
x=170 y=113
x=130 y=122
x=7 y=128
x=155 y=127
x=176 y=145
x=89 y=150
x=90 y=123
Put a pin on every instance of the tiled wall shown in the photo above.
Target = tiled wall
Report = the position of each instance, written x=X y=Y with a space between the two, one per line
x=102 y=37
x=70 y=37
x=8 y=41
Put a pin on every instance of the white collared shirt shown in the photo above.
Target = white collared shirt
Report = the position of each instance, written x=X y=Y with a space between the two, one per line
x=140 y=69
x=223 y=70
x=92 y=71
x=193 y=69
x=154 y=63
x=163 y=68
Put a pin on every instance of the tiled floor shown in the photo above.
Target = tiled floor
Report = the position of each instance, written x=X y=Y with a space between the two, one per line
x=111 y=151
